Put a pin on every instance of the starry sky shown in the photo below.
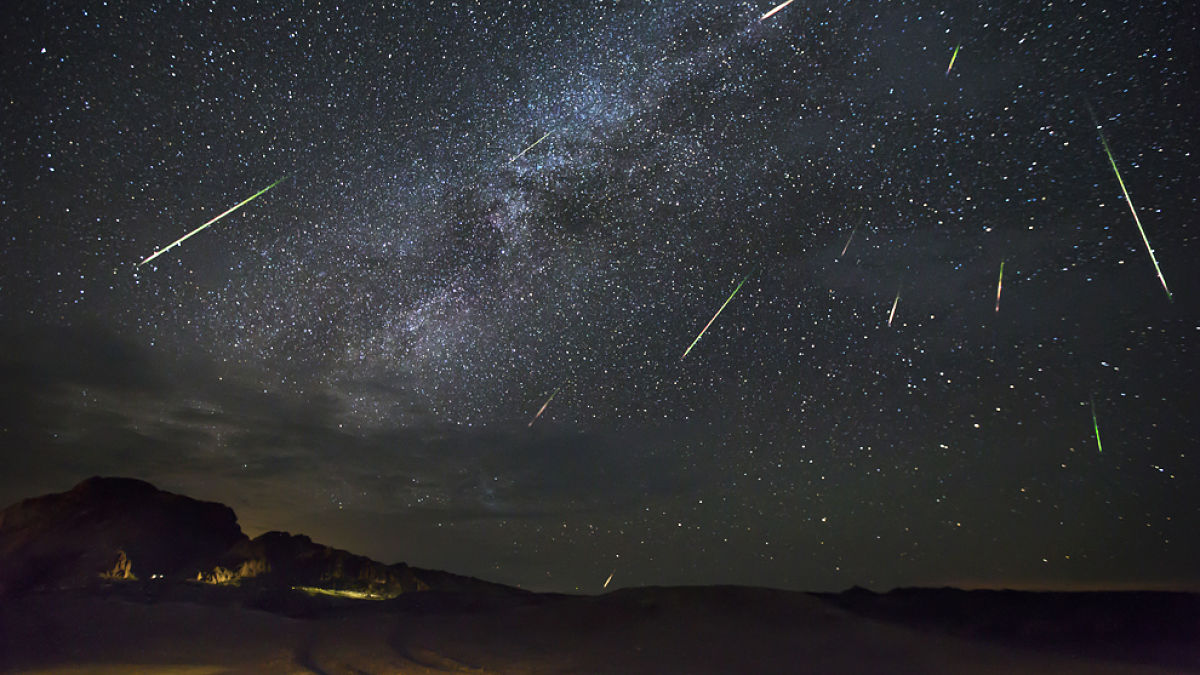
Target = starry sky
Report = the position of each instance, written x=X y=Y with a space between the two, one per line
x=357 y=354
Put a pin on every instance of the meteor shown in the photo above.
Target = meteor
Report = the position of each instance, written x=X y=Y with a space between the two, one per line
x=710 y=321
x=609 y=578
x=998 y=283
x=847 y=246
x=521 y=153
x=1096 y=425
x=893 y=312
x=231 y=210
x=771 y=13
x=1136 y=219
x=543 y=408
x=952 y=57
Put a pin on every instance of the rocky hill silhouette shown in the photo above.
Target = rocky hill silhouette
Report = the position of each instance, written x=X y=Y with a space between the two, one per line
x=109 y=529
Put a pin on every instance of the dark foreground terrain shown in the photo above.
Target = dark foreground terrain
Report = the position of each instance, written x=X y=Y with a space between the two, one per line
x=193 y=628
x=118 y=576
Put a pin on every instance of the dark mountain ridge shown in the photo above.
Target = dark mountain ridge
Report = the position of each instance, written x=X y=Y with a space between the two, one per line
x=108 y=529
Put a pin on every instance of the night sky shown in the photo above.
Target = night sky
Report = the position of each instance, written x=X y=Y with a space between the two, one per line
x=357 y=353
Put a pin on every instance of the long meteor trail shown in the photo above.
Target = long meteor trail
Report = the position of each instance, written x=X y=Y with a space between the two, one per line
x=952 y=57
x=231 y=210
x=1136 y=219
x=771 y=13
x=847 y=246
x=1096 y=425
x=609 y=578
x=710 y=321
x=543 y=408
x=522 y=153
x=998 y=285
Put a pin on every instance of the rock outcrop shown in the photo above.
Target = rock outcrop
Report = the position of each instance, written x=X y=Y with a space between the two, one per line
x=121 y=569
x=302 y=562
x=73 y=538
x=108 y=530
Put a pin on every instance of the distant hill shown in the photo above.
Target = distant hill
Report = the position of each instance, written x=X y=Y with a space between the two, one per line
x=111 y=529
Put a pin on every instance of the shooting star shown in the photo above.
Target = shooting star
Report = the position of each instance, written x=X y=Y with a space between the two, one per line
x=893 y=312
x=522 y=153
x=847 y=246
x=1096 y=425
x=952 y=57
x=1136 y=219
x=609 y=578
x=710 y=321
x=998 y=285
x=231 y=210
x=543 y=408
x=771 y=13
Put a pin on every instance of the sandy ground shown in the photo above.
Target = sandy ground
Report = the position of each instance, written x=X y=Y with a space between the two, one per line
x=630 y=632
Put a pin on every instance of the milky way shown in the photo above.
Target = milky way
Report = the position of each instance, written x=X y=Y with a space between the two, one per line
x=490 y=200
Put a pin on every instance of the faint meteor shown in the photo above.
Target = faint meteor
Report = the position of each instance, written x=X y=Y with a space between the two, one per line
x=710 y=321
x=521 y=153
x=847 y=246
x=1136 y=219
x=952 y=57
x=231 y=210
x=543 y=408
x=771 y=13
x=1096 y=425
x=998 y=285
x=609 y=578
x=893 y=312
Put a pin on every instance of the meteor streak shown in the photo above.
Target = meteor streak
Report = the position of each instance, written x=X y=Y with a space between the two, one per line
x=952 y=57
x=771 y=13
x=609 y=578
x=1136 y=219
x=521 y=153
x=231 y=210
x=998 y=283
x=543 y=408
x=710 y=321
x=893 y=312
x=847 y=246
x=1096 y=425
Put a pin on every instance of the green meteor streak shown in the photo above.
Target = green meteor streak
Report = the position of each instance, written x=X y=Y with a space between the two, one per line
x=1096 y=425
x=521 y=154
x=999 y=283
x=1136 y=219
x=710 y=321
x=952 y=57
x=231 y=210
